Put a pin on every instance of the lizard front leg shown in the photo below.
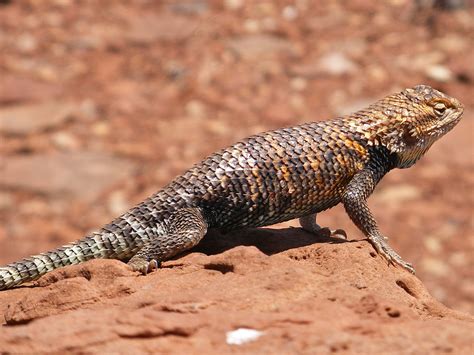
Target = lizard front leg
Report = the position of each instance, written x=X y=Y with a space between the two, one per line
x=355 y=202
x=184 y=229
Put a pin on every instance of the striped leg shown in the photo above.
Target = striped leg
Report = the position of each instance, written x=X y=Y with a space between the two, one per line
x=183 y=231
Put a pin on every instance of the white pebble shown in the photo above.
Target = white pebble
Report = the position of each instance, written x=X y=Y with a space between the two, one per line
x=439 y=73
x=242 y=335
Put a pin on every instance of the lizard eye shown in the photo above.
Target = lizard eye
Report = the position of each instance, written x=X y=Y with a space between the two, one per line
x=439 y=108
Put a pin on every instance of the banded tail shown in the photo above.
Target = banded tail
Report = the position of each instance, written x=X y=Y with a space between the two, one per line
x=99 y=245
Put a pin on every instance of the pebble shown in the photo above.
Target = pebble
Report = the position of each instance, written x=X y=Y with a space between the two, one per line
x=439 y=73
x=242 y=335
x=336 y=63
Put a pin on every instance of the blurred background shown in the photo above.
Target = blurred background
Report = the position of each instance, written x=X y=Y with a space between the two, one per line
x=104 y=102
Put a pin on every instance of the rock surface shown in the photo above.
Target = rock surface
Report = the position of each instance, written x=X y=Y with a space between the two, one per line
x=301 y=295
x=82 y=175
x=34 y=118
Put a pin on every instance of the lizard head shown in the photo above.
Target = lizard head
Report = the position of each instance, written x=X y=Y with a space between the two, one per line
x=409 y=122
x=436 y=113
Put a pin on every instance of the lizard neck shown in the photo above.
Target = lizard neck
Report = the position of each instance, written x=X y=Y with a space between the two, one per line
x=381 y=161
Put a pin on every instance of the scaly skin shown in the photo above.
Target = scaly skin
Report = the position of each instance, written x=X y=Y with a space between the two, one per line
x=269 y=178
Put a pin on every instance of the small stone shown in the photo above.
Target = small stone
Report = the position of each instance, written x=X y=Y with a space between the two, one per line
x=336 y=63
x=290 y=13
x=242 y=335
x=439 y=73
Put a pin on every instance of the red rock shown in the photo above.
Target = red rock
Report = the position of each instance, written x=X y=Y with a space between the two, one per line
x=304 y=296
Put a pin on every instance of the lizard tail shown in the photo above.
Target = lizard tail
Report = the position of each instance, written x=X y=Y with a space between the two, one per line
x=94 y=246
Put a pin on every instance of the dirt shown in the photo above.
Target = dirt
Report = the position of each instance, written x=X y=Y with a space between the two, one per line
x=100 y=106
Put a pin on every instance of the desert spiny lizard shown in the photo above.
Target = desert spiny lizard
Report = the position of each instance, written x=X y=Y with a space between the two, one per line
x=268 y=178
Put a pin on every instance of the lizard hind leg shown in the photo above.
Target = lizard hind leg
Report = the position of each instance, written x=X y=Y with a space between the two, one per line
x=308 y=223
x=184 y=229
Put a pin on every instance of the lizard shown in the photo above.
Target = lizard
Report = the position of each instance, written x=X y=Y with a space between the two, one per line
x=268 y=178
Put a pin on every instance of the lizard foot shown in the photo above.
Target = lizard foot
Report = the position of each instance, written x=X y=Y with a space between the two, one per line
x=328 y=233
x=381 y=246
x=142 y=265
x=308 y=223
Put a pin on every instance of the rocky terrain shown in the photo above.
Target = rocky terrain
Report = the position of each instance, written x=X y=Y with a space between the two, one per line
x=101 y=105
x=299 y=294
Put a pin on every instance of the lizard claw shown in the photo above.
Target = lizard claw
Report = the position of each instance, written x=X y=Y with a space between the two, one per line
x=329 y=233
x=143 y=266
x=339 y=233
x=326 y=232
x=381 y=246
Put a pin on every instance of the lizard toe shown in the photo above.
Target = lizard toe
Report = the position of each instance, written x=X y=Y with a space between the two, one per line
x=142 y=265
x=339 y=233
